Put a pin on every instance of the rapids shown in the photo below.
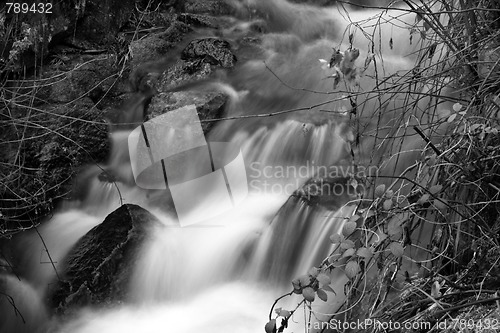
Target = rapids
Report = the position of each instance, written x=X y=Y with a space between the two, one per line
x=226 y=279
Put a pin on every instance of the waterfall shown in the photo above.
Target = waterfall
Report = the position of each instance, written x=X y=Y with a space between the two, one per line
x=225 y=278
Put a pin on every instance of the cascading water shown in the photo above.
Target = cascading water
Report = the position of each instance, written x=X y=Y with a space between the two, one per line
x=225 y=279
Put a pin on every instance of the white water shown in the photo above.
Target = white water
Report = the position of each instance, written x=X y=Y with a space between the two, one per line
x=226 y=279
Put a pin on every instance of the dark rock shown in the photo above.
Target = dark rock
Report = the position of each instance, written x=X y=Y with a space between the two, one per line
x=95 y=77
x=214 y=51
x=212 y=7
x=330 y=192
x=155 y=46
x=182 y=72
x=205 y=21
x=89 y=24
x=59 y=140
x=99 y=267
x=96 y=21
x=210 y=105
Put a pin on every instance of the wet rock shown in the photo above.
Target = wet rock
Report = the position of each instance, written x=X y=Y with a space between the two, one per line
x=99 y=267
x=155 y=46
x=94 y=77
x=205 y=21
x=96 y=21
x=61 y=139
x=210 y=105
x=90 y=24
x=212 y=7
x=330 y=192
x=214 y=51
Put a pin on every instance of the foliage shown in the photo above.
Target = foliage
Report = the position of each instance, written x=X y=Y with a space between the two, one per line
x=432 y=229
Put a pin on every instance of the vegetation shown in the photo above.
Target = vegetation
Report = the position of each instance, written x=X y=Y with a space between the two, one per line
x=395 y=274
x=451 y=193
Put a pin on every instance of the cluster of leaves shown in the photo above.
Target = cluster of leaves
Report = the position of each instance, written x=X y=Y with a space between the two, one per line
x=452 y=191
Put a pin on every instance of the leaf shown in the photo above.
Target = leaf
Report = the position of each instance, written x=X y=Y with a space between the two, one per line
x=457 y=107
x=336 y=238
x=365 y=252
x=322 y=295
x=387 y=204
x=391 y=43
x=435 y=289
x=284 y=313
x=304 y=280
x=314 y=271
x=452 y=117
x=444 y=113
x=349 y=228
x=475 y=127
x=296 y=286
x=435 y=189
x=432 y=160
x=324 y=279
x=347 y=244
x=396 y=249
x=329 y=289
x=379 y=191
x=354 y=218
x=369 y=59
x=271 y=326
x=336 y=58
x=423 y=199
x=351 y=269
x=308 y=294
x=441 y=204
x=348 y=253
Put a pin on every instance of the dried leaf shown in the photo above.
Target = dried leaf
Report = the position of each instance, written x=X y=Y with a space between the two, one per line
x=348 y=253
x=441 y=204
x=349 y=228
x=457 y=107
x=322 y=295
x=314 y=272
x=347 y=244
x=435 y=189
x=365 y=252
x=284 y=313
x=336 y=238
x=435 y=289
x=423 y=199
x=387 y=204
x=379 y=191
x=271 y=326
x=351 y=269
x=308 y=294
x=354 y=218
x=324 y=279
x=394 y=226
x=396 y=249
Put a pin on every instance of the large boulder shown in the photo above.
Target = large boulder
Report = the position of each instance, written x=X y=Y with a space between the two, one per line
x=214 y=51
x=99 y=267
x=209 y=105
x=212 y=7
x=156 y=45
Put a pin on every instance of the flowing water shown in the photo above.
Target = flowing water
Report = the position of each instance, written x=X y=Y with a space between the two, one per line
x=226 y=279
